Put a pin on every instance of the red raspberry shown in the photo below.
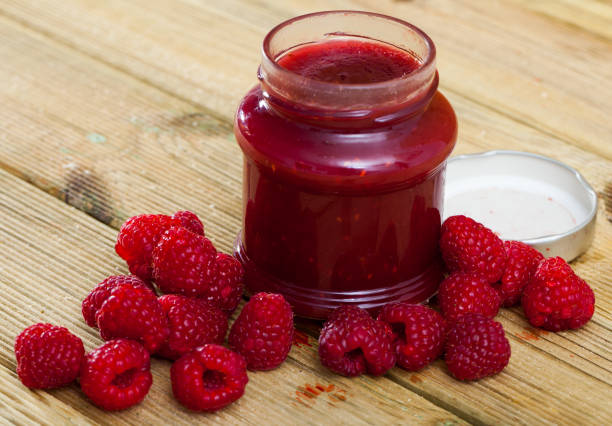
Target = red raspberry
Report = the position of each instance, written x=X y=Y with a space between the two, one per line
x=476 y=347
x=263 y=332
x=193 y=323
x=418 y=333
x=351 y=343
x=462 y=293
x=348 y=313
x=521 y=263
x=184 y=263
x=208 y=378
x=556 y=298
x=101 y=292
x=133 y=313
x=190 y=221
x=227 y=287
x=47 y=356
x=137 y=238
x=468 y=246
x=117 y=375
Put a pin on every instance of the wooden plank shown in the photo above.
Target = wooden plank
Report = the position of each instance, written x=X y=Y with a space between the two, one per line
x=538 y=385
x=107 y=144
x=18 y=405
x=532 y=394
x=589 y=15
x=173 y=129
x=48 y=276
x=541 y=72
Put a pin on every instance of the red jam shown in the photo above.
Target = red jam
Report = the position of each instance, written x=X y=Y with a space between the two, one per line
x=349 y=62
x=343 y=205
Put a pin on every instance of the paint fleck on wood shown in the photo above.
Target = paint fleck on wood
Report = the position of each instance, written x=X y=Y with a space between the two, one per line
x=307 y=395
x=416 y=379
x=300 y=339
x=96 y=138
x=531 y=334
x=446 y=423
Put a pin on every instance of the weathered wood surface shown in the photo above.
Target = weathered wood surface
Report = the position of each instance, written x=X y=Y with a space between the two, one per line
x=119 y=108
x=58 y=254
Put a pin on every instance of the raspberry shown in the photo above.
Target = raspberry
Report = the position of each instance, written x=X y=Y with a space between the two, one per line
x=556 y=298
x=184 y=263
x=521 y=263
x=227 y=287
x=101 y=292
x=351 y=343
x=137 y=238
x=190 y=221
x=468 y=246
x=476 y=347
x=462 y=293
x=193 y=323
x=208 y=378
x=133 y=313
x=116 y=375
x=418 y=333
x=348 y=313
x=47 y=356
x=263 y=332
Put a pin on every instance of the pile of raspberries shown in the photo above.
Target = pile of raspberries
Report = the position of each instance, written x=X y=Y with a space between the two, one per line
x=188 y=324
x=202 y=288
x=484 y=274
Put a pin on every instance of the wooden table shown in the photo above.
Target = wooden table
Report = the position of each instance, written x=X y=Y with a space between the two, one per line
x=114 y=108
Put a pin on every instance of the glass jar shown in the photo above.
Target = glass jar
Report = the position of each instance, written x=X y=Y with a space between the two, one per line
x=343 y=182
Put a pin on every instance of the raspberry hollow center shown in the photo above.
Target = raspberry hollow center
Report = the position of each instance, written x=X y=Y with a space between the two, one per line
x=125 y=379
x=213 y=379
x=355 y=355
x=399 y=331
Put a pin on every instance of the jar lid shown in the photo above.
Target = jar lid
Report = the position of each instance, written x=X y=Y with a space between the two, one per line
x=523 y=196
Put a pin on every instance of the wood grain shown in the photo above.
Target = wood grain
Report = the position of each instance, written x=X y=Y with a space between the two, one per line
x=61 y=278
x=126 y=107
x=550 y=77
x=593 y=16
x=109 y=144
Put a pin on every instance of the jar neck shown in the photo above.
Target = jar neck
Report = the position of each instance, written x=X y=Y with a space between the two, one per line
x=332 y=104
x=370 y=116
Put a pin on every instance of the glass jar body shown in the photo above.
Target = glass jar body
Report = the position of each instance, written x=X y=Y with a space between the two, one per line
x=335 y=216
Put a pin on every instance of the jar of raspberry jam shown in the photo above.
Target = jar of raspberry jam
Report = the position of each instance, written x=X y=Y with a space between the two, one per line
x=345 y=141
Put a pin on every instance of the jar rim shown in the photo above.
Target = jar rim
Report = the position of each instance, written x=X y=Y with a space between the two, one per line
x=424 y=67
